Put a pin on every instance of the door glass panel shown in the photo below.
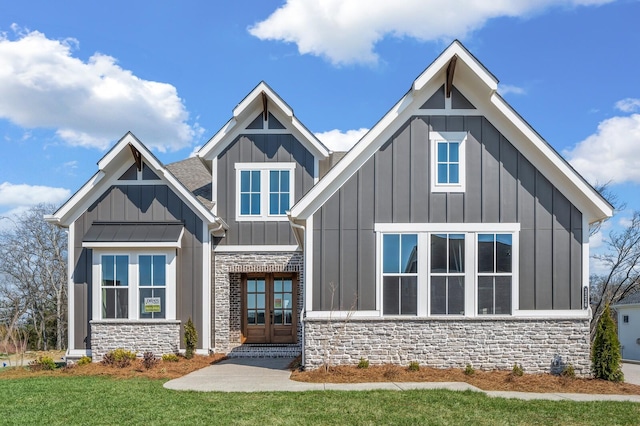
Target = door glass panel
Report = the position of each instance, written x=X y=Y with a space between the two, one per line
x=260 y=299
x=251 y=301
x=260 y=286
x=277 y=286
x=260 y=317
x=288 y=286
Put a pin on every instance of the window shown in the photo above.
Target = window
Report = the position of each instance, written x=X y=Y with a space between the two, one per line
x=265 y=190
x=400 y=274
x=446 y=269
x=135 y=285
x=115 y=287
x=447 y=161
x=447 y=274
x=152 y=285
x=494 y=273
x=625 y=318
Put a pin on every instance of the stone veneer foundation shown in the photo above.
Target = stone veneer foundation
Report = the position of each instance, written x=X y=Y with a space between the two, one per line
x=159 y=337
x=540 y=346
x=229 y=267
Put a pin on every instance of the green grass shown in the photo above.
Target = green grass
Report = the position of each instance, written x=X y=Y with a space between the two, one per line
x=98 y=400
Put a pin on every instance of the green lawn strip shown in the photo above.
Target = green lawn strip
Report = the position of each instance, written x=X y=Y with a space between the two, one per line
x=98 y=400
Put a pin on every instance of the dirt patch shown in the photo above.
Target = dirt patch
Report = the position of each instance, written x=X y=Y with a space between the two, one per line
x=161 y=370
x=486 y=380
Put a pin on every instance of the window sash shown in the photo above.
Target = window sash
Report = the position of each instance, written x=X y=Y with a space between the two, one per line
x=264 y=191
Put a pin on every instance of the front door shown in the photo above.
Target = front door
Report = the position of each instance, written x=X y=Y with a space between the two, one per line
x=269 y=306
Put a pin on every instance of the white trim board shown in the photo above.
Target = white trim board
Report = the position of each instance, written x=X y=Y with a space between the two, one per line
x=256 y=248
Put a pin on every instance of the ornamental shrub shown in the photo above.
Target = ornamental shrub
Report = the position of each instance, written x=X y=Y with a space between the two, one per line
x=84 y=360
x=190 y=338
x=120 y=358
x=469 y=370
x=363 y=363
x=414 y=366
x=170 y=358
x=605 y=351
x=42 y=363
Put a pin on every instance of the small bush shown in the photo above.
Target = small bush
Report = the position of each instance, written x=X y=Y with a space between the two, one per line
x=414 y=366
x=170 y=358
x=190 y=339
x=120 y=358
x=42 y=363
x=363 y=363
x=605 y=350
x=568 y=372
x=84 y=360
x=149 y=360
x=517 y=370
x=469 y=370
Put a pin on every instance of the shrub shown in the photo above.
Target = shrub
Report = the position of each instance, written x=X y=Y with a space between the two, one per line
x=42 y=363
x=190 y=338
x=414 y=366
x=120 y=358
x=170 y=357
x=605 y=351
x=84 y=360
x=469 y=370
x=149 y=360
x=517 y=370
x=363 y=363
x=568 y=372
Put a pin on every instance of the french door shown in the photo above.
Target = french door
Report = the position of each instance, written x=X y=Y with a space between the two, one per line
x=269 y=307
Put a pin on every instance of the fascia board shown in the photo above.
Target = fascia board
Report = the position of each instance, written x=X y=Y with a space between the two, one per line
x=598 y=209
x=353 y=160
x=253 y=96
x=60 y=217
x=211 y=147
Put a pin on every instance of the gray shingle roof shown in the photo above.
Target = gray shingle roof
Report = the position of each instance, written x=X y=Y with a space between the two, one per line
x=195 y=176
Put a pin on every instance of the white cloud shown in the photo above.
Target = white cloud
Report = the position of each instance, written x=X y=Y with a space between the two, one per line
x=338 y=141
x=505 y=89
x=628 y=105
x=612 y=153
x=22 y=195
x=89 y=103
x=346 y=31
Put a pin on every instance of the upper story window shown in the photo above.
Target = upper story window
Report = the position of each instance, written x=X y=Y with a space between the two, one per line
x=447 y=161
x=265 y=191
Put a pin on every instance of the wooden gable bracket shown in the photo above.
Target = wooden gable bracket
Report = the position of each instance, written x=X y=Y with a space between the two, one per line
x=265 y=111
x=451 y=69
x=136 y=156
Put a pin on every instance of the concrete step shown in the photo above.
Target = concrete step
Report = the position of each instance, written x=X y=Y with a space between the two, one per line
x=265 y=351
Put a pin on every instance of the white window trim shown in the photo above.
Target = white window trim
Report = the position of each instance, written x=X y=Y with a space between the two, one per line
x=134 y=289
x=264 y=169
x=434 y=138
x=471 y=282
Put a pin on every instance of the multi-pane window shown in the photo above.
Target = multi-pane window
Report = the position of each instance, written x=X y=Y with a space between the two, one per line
x=400 y=274
x=447 y=274
x=279 y=192
x=152 y=285
x=256 y=301
x=495 y=273
x=282 y=301
x=448 y=163
x=264 y=190
x=250 y=192
x=115 y=286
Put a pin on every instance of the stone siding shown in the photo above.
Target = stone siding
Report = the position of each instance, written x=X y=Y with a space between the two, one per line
x=540 y=346
x=229 y=267
x=135 y=335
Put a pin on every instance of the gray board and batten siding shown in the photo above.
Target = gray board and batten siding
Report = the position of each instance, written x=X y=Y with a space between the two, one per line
x=393 y=186
x=148 y=204
x=260 y=148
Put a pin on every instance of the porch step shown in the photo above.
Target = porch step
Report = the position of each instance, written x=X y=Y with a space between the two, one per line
x=265 y=351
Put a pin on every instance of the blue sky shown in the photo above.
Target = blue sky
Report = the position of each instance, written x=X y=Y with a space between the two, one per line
x=75 y=76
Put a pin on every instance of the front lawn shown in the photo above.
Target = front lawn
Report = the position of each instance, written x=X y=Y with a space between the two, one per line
x=103 y=400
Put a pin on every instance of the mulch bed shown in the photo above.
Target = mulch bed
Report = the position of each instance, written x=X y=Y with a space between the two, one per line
x=486 y=380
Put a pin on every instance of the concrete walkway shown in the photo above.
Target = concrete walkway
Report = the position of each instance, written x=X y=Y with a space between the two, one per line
x=272 y=375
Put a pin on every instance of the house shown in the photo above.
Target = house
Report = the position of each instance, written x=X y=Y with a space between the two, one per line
x=628 y=313
x=450 y=234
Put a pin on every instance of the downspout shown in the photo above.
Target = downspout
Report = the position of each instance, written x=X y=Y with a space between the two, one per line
x=304 y=297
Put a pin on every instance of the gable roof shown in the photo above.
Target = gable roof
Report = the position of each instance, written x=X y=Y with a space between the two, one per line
x=195 y=176
x=110 y=167
x=261 y=97
x=480 y=86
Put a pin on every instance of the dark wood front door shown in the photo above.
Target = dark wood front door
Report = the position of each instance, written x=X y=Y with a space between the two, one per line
x=269 y=307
